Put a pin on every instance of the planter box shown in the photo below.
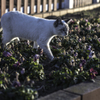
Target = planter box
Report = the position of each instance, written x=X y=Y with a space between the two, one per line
x=82 y=91
x=87 y=90
x=61 y=95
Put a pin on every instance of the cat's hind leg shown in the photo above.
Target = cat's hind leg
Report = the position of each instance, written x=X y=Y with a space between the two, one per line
x=16 y=38
x=5 y=38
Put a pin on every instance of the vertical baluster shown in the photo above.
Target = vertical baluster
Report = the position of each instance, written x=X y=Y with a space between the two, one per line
x=87 y=2
x=18 y=5
x=75 y=3
x=82 y=2
x=90 y=2
x=11 y=5
x=25 y=6
x=49 y=5
x=55 y=5
x=78 y=3
x=38 y=6
x=3 y=6
x=44 y=5
x=32 y=6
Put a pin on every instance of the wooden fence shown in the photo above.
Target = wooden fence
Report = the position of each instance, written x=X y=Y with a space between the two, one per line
x=53 y=5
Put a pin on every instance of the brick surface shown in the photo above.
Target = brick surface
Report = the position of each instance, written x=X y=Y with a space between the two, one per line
x=61 y=95
x=89 y=90
x=98 y=77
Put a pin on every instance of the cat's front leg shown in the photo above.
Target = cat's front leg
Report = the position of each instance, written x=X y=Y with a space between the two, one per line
x=35 y=45
x=47 y=50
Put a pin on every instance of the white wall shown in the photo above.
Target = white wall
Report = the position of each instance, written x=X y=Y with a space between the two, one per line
x=68 y=3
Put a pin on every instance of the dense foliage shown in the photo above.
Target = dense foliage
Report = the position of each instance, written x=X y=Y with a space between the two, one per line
x=25 y=72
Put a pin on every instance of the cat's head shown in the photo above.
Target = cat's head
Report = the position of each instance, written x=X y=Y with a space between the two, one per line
x=61 y=27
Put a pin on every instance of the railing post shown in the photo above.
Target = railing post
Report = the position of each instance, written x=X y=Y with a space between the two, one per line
x=77 y=3
x=44 y=5
x=3 y=7
x=32 y=6
x=87 y=2
x=25 y=6
x=49 y=6
x=74 y=3
x=55 y=5
x=18 y=5
x=91 y=2
x=11 y=5
x=82 y=2
x=38 y=6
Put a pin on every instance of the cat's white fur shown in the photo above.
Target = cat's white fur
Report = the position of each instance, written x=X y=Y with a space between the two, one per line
x=16 y=24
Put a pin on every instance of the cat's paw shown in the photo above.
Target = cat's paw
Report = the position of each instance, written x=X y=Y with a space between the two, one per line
x=55 y=59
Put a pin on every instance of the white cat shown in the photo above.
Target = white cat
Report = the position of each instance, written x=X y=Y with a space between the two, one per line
x=16 y=24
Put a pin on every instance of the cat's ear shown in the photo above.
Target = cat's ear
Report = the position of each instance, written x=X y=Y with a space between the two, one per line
x=58 y=22
x=68 y=21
